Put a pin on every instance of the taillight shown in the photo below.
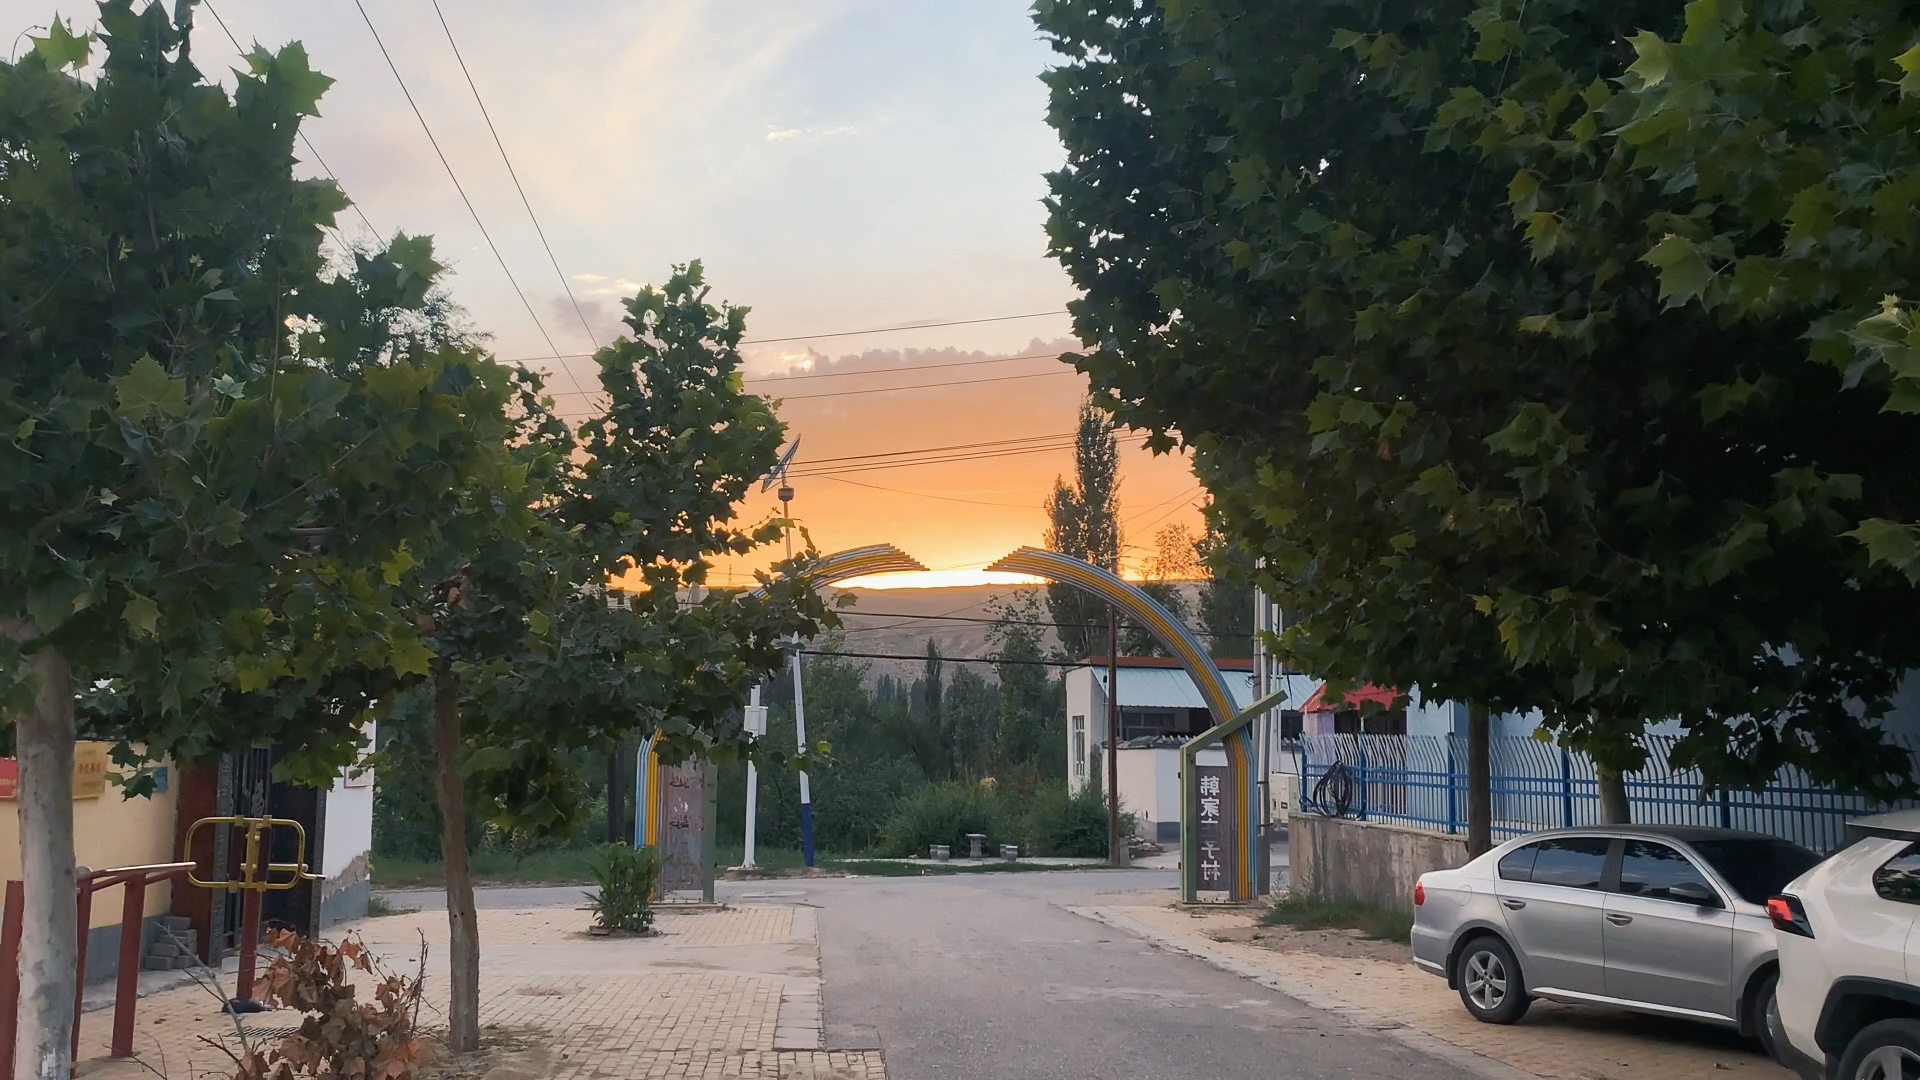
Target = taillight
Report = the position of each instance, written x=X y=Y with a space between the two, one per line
x=1788 y=916
x=1419 y=893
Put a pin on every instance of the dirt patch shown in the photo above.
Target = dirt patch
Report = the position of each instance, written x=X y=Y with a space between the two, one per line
x=503 y=1055
x=1338 y=944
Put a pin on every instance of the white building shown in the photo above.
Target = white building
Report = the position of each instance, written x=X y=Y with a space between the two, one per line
x=1160 y=708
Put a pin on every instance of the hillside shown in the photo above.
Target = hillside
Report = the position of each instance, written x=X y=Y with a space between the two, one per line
x=883 y=621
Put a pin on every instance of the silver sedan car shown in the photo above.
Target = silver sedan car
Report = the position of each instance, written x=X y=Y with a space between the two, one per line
x=1669 y=920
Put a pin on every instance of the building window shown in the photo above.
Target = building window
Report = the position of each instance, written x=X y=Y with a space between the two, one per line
x=1135 y=723
x=1080 y=748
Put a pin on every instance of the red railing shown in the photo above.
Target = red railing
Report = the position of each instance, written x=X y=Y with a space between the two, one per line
x=126 y=994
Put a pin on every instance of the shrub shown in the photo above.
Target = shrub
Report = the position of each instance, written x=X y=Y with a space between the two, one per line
x=627 y=878
x=944 y=814
x=1055 y=823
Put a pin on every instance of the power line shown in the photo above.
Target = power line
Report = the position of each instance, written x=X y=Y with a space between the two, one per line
x=907 y=370
x=943 y=659
x=936 y=449
x=524 y=201
x=903 y=326
x=978 y=455
x=1012 y=622
x=304 y=141
x=1196 y=489
x=923 y=494
x=928 y=386
x=444 y=163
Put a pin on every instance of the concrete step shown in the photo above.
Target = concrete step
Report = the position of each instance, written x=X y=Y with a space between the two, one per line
x=164 y=950
x=168 y=963
x=179 y=923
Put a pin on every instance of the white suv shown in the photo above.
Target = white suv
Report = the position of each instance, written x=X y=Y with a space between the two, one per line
x=1849 y=992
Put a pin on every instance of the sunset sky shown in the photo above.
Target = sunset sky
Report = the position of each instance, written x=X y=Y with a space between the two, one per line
x=839 y=165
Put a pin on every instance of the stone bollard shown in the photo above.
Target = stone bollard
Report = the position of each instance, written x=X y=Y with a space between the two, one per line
x=976 y=845
x=938 y=853
x=1010 y=852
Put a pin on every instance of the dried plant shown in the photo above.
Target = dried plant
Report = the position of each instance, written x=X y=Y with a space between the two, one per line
x=342 y=1036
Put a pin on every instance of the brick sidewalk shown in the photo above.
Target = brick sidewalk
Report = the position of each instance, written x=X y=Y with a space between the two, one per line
x=1555 y=1042
x=728 y=993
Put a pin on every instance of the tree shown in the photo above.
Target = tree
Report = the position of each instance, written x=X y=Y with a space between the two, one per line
x=1084 y=522
x=531 y=664
x=171 y=449
x=1226 y=594
x=1027 y=731
x=1481 y=443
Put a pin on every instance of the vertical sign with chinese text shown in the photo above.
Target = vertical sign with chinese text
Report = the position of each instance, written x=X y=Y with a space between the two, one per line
x=683 y=835
x=1213 y=832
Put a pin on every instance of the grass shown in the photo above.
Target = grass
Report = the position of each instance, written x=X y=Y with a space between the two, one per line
x=1307 y=913
x=378 y=906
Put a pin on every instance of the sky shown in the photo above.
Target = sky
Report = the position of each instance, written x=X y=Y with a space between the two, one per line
x=837 y=165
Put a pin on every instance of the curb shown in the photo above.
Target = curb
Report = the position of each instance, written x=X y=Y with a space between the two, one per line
x=1359 y=1015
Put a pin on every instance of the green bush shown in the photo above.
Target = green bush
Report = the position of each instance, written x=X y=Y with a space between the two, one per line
x=944 y=814
x=1054 y=823
x=627 y=877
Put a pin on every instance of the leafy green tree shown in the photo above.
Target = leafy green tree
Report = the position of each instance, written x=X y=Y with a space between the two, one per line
x=1226 y=594
x=188 y=431
x=1030 y=728
x=1084 y=522
x=1414 y=310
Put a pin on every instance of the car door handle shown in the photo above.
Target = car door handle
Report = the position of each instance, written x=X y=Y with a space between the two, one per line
x=1514 y=905
x=1618 y=919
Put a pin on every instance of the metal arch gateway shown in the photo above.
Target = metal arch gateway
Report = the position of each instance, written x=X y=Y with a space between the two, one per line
x=1236 y=814
x=1233 y=731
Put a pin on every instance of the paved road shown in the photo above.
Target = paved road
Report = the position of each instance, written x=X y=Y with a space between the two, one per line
x=989 y=978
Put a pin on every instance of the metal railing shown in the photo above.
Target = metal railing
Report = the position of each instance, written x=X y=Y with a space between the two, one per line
x=1421 y=781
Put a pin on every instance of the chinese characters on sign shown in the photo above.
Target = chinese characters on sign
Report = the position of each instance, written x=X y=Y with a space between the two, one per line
x=1213 y=839
x=89 y=772
x=683 y=839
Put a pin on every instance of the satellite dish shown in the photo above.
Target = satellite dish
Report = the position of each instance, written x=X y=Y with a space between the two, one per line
x=779 y=470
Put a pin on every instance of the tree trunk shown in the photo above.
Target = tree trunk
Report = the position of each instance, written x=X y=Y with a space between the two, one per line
x=463 y=934
x=1614 y=809
x=49 y=945
x=1479 y=781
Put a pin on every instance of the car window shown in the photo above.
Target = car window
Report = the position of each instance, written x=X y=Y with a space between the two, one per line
x=1575 y=862
x=1517 y=865
x=1756 y=866
x=1652 y=870
x=1899 y=878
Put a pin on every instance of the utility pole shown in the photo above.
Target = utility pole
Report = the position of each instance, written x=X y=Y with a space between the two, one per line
x=799 y=705
x=1116 y=846
x=756 y=727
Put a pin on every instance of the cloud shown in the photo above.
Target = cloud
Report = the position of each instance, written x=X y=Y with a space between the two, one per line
x=589 y=278
x=775 y=134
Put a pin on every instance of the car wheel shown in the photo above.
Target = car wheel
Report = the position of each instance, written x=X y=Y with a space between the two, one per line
x=1489 y=980
x=1766 y=1016
x=1888 y=1050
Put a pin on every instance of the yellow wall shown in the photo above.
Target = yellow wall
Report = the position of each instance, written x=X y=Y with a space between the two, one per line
x=108 y=831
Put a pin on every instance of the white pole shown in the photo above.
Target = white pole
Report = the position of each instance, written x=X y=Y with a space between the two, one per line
x=800 y=738
x=756 y=726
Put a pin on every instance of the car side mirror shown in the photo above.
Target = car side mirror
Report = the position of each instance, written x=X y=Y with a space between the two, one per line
x=1692 y=892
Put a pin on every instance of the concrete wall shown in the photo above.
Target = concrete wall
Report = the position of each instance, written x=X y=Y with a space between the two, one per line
x=1342 y=859
x=1150 y=790
x=1085 y=699
x=347 y=845
x=108 y=831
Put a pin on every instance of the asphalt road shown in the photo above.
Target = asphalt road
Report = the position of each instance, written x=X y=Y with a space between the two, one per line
x=990 y=978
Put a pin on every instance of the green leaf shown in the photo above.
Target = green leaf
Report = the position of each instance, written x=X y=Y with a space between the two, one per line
x=146 y=389
x=486 y=759
x=1684 y=274
x=1909 y=63
x=25 y=430
x=61 y=48
x=410 y=656
x=395 y=567
x=1548 y=324
x=1655 y=58
x=538 y=622
x=1891 y=543
x=143 y=615
x=303 y=85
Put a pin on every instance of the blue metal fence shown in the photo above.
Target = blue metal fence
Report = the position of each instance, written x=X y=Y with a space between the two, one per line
x=1421 y=781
